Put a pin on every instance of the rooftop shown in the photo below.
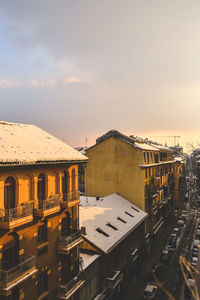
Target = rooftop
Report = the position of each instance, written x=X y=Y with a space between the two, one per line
x=28 y=144
x=108 y=220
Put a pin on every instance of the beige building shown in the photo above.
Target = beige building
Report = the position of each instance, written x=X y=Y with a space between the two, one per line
x=142 y=172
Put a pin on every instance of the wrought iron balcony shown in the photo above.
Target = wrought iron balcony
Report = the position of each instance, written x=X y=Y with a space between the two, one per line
x=114 y=280
x=18 y=273
x=13 y=217
x=66 y=243
x=67 y=290
x=69 y=198
x=48 y=206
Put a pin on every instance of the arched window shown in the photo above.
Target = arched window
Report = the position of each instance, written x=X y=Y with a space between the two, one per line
x=41 y=187
x=73 y=180
x=65 y=184
x=9 y=193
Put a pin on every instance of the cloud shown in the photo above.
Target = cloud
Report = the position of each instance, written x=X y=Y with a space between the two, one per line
x=71 y=80
x=7 y=83
x=35 y=83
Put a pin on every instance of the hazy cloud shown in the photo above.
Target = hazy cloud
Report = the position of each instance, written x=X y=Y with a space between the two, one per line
x=132 y=65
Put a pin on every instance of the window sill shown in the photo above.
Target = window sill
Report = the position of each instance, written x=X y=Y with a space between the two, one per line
x=43 y=295
x=42 y=245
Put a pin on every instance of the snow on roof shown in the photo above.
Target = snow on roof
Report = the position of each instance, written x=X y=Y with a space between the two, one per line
x=108 y=220
x=82 y=150
x=178 y=158
x=25 y=143
x=145 y=146
x=88 y=259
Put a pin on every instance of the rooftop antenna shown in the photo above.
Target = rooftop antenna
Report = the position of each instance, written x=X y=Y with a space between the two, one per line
x=86 y=142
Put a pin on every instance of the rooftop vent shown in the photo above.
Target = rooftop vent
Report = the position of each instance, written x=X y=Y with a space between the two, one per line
x=120 y=219
x=130 y=215
x=111 y=226
x=135 y=208
x=102 y=232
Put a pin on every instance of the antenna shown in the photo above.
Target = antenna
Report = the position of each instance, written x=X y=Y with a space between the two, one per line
x=86 y=142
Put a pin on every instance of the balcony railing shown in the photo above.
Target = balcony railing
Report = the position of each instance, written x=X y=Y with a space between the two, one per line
x=12 y=217
x=71 y=196
x=49 y=203
x=18 y=271
x=12 y=214
x=66 y=242
x=71 y=287
x=114 y=279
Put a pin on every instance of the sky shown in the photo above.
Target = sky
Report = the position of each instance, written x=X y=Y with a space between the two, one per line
x=80 y=68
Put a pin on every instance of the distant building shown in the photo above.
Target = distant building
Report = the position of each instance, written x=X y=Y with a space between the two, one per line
x=113 y=228
x=39 y=215
x=144 y=173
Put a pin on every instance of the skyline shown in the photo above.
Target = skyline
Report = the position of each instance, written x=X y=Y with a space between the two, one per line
x=131 y=66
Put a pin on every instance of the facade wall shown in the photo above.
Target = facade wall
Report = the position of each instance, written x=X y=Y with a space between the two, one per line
x=46 y=254
x=114 y=167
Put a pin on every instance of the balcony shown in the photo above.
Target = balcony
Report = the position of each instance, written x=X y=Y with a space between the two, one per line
x=48 y=206
x=66 y=243
x=17 y=274
x=157 y=226
x=70 y=199
x=13 y=217
x=66 y=291
x=114 y=280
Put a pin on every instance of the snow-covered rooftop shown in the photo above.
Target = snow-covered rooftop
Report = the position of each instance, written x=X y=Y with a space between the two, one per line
x=88 y=259
x=108 y=220
x=145 y=146
x=25 y=143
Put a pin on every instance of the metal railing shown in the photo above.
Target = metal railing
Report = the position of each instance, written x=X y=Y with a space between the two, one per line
x=65 y=288
x=17 y=271
x=65 y=241
x=49 y=203
x=71 y=196
x=12 y=214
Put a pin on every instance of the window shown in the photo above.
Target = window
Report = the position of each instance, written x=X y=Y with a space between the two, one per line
x=41 y=187
x=10 y=257
x=73 y=180
x=42 y=283
x=42 y=233
x=9 y=193
x=65 y=184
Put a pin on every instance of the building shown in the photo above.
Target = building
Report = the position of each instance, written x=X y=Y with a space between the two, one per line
x=142 y=172
x=113 y=228
x=39 y=215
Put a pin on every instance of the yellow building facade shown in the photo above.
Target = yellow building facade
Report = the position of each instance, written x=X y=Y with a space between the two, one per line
x=39 y=219
x=145 y=174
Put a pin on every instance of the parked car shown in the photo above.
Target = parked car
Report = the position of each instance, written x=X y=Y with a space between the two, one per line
x=172 y=240
x=176 y=231
x=194 y=261
x=165 y=256
x=183 y=217
x=180 y=223
x=196 y=243
x=150 y=291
